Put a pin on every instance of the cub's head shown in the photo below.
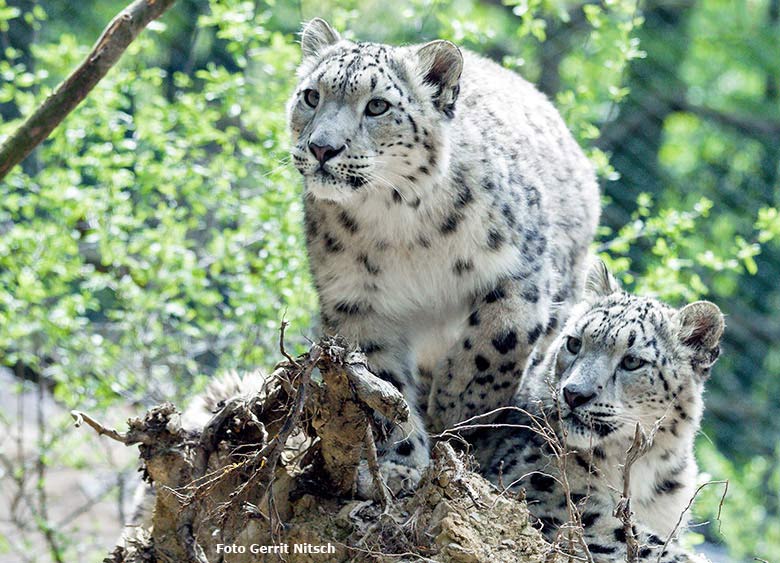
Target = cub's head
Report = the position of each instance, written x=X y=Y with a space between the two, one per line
x=366 y=116
x=622 y=359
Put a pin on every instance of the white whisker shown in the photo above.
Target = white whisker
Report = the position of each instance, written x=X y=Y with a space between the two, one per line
x=387 y=182
x=410 y=185
x=282 y=165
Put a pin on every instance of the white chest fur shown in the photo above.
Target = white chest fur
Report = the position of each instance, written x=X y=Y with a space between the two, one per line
x=657 y=499
x=422 y=274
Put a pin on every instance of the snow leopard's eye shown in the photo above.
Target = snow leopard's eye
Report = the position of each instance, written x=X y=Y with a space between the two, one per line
x=631 y=363
x=573 y=345
x=311 y=97
x=377 y=107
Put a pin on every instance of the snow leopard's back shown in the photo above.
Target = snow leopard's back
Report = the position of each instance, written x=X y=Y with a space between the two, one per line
x=513 y=130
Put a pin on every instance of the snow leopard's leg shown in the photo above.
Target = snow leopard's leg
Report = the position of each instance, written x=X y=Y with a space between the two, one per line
x=483 y=369
x=603 y=533
x=404 y=451
x=606 y=542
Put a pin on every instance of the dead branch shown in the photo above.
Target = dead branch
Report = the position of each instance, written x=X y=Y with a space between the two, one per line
x=373 y=464
x=282 y=348
x=671 y=535
x=639 y=447
x=376 y=393
x=136 y=435
x=339 y=421
x=82 y=417
x=113 y=42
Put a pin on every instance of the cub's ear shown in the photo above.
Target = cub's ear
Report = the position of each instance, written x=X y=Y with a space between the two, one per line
x=700 y=324
x=316 y=36
x=600 y=282
x=441 y=64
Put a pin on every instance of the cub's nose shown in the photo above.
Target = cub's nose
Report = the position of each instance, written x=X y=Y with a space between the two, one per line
x=324 y=153
x=575 y=396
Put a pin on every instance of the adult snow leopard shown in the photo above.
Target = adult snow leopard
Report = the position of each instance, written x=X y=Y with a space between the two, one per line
x=620 y=360
x=447 y=209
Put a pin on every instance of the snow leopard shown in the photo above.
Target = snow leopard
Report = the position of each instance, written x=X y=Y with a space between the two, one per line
x=448 y=210
x=619 y=361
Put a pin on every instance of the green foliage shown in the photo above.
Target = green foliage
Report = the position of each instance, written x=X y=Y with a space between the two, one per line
x=7 y=13
x=747 y=522
x=161 y=238
x=678 y=254
x=592 y=76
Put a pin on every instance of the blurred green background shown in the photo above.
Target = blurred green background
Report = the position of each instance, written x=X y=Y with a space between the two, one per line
x=155 y=237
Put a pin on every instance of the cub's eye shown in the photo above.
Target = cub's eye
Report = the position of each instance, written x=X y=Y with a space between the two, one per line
x=377 y=107
x=631 y=363
x=311 y=97
x=573 y=345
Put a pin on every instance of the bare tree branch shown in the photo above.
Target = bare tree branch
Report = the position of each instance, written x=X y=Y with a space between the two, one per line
x=117 y=36
x=687 y=508
x=747 y=125
x=639 y=447
x=373 y=464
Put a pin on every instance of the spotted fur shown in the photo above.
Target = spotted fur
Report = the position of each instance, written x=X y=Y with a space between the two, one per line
x=620 y=360
x=443 y=232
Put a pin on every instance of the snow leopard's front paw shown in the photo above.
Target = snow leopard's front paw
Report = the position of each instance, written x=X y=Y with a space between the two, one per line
x=400 y=480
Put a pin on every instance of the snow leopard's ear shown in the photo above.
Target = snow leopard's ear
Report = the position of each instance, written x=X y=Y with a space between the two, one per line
x=316 y=36
x=441 y=64
x=600 y=282
x=700 y=326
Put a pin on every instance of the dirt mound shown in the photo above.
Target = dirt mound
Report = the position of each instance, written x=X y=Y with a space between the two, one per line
x=271 y=477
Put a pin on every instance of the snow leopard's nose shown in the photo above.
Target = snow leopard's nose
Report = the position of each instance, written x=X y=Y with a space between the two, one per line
x=576 y=396
x=324 y=153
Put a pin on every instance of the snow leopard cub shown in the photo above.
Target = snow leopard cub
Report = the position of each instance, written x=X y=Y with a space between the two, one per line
x=448 y=210
x=619 y=360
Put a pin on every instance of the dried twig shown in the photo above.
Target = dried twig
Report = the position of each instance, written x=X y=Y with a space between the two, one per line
x=82 y=417
x=282 y=348
x=373 y=465
x=575 y=527
x=671 y=535
x=639 y=447
x=544 y=427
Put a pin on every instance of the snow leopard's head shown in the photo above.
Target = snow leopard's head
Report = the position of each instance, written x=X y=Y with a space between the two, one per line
x=366 y=116
x=622 y=359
